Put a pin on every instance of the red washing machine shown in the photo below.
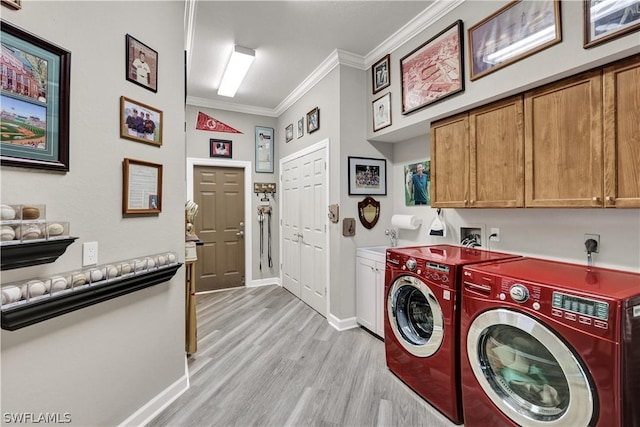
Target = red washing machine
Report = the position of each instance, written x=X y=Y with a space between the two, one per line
x=423 y=313
x=550 y=344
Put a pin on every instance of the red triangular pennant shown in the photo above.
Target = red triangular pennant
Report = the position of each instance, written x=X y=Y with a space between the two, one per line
x=206 y=122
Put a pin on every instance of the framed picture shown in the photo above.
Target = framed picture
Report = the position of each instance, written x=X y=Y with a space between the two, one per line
x=220 y=148
x=142 y=64
x=13 y=4
x=289 y=133
x=34 y=92
x=381 y=74
x=301 y=127
x=434 y=70
x=140 y=122
x=142 y=192
x=518 y=30
x=417 y=183
x=382 y=112
x=264 y=149
x=608 y=20
x=367 y=176
x=313 y=120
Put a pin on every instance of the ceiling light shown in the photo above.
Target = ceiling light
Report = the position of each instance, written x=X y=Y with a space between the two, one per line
x=522 y=46
x=237 y=67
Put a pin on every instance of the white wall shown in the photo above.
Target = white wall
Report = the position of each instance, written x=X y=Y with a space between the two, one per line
x=104 y=362
x=243 y=149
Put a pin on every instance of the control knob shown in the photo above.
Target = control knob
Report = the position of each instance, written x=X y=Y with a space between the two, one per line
x=519 y=293
x=411 y=264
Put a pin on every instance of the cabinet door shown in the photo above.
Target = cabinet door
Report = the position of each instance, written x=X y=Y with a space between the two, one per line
x=563 y=143
x=496 y=141
x=450 y=162
x=381 y=306
x=366 y=293
x=622 y=134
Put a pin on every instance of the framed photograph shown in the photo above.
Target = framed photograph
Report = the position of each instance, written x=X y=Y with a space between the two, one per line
x=313 y=120
x=142 y=64
x=13 y=4
x=289 y=133
x=381 y=74
x=140 y=122
x=608 y=20
x=433 y=71
x=367 y=176
x=518 y=30
x=382 y=112
x=417 y=183
x=34 y=92
x=264 y=149
x=142 y=187
x=220 y=148
x=300 y=127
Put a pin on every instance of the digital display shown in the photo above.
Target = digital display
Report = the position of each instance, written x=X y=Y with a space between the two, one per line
x=437 y=267
x=588 y=307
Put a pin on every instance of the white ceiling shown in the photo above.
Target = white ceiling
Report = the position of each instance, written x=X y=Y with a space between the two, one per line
x=292 y=39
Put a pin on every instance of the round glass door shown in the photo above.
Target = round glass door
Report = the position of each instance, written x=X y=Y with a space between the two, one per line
x=527 y=371
x=415 y=316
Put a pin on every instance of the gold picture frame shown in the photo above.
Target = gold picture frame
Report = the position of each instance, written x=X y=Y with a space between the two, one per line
x=142 y=187
x=146 y=129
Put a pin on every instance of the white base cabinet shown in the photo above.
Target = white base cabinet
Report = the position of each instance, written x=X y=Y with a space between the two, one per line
x=370 y=271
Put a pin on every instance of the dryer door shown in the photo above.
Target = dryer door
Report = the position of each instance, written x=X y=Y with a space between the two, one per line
x=527 y=371
x=415 y=316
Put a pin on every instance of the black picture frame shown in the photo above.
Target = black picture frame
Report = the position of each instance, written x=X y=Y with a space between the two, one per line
x=367 y=176
x=220 y=148
x=45 y=99
x=135 y=62
x=381 y=74
x=313 y=120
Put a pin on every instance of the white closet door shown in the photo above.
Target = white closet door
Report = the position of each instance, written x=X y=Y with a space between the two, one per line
x=291 y=226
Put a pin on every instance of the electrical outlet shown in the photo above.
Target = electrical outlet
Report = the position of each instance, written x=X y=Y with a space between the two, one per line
x=89 y=253
x=495 y=238
x=595 y=237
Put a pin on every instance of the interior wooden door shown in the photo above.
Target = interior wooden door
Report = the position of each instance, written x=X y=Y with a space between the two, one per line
x=450 y=162
x=304 y=228
x=219 y=194
x=496 y=168
x=622 y=134
x=563 y=143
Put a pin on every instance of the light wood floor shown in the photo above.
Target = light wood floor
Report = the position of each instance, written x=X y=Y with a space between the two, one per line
x=267 y=359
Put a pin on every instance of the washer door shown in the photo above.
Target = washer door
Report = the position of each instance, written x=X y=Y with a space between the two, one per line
x=527 y=371
x=415 y=316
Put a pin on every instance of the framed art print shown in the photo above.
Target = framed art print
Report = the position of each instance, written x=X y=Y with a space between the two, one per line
x=142 y=192
x=313 y=120
x=380 y=74
x=142 y=64
x=381 y=112
x=13 y=4
x=220 y=148
x=516 y=31
x=289 y=133
x=608 y=20
x=140 y=122
x=367 y=176
x=35 y=101
x=300 y=127
x=264 y=149
x=434 y=70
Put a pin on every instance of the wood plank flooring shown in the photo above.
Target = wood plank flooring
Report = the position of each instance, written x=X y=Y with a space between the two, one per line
x=267 y=359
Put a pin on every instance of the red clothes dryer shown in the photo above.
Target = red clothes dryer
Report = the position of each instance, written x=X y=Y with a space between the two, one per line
x=550 y=344
x=422 y=316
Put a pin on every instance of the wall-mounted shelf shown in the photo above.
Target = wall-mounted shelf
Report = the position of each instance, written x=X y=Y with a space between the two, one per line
x=28 y=314
x=27 y=254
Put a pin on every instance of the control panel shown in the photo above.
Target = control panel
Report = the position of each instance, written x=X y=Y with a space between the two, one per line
x=433 y=272
x=584 y=306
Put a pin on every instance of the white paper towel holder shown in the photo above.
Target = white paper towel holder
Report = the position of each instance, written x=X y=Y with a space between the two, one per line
x=407 y=222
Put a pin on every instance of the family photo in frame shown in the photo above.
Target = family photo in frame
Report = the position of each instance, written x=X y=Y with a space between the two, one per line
x=367 y=176
x=140 y=122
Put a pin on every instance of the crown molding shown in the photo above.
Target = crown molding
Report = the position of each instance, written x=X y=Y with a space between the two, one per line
x=421 y=22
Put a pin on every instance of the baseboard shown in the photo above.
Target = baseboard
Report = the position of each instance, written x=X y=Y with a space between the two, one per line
x=151 y=409
x=264 y=282
x=342 y=325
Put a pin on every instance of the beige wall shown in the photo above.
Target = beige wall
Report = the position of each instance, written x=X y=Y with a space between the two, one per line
x=102 y=363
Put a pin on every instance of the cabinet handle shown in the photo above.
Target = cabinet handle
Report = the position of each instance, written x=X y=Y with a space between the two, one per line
x=611 y=199
x=596 y=199
x=473 y=201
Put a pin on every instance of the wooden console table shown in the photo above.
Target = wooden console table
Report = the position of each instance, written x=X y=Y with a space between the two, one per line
x=191 y=342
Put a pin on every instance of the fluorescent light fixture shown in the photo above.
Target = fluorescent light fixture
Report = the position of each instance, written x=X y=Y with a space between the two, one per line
x=521 y=46
x=237 y=67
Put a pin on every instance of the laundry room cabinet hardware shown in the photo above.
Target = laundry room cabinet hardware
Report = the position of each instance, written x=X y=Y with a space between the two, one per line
x=33 y=253
x=24 y=315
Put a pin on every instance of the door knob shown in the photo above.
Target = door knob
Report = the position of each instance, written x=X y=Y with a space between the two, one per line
x=240 y=234
x=241 y=224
